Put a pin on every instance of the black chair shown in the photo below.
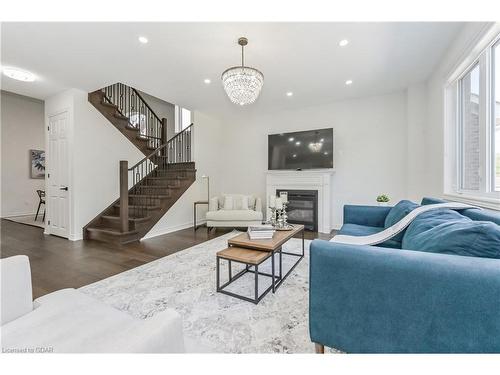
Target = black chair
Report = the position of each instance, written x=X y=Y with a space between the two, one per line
x=41 y=196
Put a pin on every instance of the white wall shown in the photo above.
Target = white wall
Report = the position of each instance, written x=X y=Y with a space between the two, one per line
x=369 y=153
x=22 y=129
x=416 y=141
x=210 y=157
x=96 y=148
x=162 y=109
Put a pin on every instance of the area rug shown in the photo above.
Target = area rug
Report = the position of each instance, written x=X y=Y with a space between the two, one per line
x=215 y=322
x=28 y=220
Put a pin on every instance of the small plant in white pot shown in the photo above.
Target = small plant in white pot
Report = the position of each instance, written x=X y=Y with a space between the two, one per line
x=383 y=200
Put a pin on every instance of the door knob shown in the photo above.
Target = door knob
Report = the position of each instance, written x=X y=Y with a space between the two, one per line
x=64 y=188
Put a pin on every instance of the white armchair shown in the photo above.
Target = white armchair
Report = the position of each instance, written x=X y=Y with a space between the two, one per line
x=234 y=210
x=68 y=321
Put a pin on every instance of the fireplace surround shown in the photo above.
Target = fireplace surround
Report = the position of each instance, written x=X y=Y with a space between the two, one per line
x=316 y=180
x=302 y=207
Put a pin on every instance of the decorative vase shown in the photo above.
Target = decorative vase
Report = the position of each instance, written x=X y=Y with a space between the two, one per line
x=383 y=204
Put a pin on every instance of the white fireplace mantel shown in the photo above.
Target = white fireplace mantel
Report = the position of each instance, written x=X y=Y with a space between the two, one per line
x=320 y=180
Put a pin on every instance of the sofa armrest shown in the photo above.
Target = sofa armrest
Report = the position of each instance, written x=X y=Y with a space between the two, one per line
x=373 y=216
x=258 y=204
x=161 y=333
x=213 y=204
x=16 y=292
x=373 y=299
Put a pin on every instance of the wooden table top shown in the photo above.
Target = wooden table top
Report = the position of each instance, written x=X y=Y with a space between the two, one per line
x=279 y=238
x=247 y=256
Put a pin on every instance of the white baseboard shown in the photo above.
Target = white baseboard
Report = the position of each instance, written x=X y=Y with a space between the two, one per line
x=74 y=237
x=165 y=230
x=20 y=214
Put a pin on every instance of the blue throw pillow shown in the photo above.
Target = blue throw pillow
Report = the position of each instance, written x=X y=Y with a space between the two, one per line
x=398 y=212
x=447 y=232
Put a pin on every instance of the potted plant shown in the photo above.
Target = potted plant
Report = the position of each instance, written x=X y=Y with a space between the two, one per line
x=383 y=200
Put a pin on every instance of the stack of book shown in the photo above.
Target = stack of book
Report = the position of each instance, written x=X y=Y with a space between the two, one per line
x=261 y=232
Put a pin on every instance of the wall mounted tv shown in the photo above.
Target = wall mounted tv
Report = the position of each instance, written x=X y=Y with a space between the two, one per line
x=311 y=149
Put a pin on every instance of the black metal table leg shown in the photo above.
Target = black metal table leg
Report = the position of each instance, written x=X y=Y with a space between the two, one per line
x=256 y=284
x=229 y=269
x=217 y=273
x=281 y=264
x=272 y=273
x=302 y=242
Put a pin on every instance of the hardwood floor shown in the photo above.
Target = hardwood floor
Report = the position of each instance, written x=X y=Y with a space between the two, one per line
x=57 y=263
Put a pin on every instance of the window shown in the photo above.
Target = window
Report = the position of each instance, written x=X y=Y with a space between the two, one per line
x=469 y=130
x=182 y=118
x=496 y=116
x=473 y=118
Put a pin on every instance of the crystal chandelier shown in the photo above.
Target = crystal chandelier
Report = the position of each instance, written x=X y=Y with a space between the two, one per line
x=242 y=83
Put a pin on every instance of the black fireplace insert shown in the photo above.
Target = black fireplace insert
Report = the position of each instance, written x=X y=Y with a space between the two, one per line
x=302 y=207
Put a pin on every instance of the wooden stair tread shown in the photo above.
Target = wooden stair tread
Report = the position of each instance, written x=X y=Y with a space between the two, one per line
x=140 y=206
x=155 y=196
x=160 y=178
x=134 y=219
x=120 y=116
x=108 y=104
x=130 y=127
x=112 y=231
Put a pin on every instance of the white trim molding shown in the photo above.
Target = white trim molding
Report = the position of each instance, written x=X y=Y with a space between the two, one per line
x=491 y=203
x=319 y=180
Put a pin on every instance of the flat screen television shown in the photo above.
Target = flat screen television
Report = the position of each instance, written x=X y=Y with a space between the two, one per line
x=311 y=149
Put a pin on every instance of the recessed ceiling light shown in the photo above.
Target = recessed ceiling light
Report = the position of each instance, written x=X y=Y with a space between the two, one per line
x=343 y=42
x=207 y=81
x=18 y=74
x=326 y=152
x=289 y=93
x=143 y=39
x=297 y=143
x=348 y=82
x=291 y=139
x=322 y=140
x=294 y=155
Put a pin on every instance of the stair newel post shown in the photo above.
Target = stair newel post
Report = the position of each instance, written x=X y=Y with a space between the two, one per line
x=124 y=195
x=164 y=138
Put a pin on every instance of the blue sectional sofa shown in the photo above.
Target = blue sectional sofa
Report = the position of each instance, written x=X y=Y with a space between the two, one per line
x=443 y=296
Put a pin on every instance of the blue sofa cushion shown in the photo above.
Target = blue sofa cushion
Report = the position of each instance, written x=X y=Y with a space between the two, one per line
x=398 y=212
x=448 y=232
x=365 y=230
x=473 y=213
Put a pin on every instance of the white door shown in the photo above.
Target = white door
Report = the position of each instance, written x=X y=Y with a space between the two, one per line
x=58 y=176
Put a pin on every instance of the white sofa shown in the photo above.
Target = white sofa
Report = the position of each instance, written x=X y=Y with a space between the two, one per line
x=234 y=210
x=68 y=321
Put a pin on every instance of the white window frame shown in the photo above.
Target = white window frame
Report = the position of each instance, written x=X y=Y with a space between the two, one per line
x=179 y=118
x=486 y=196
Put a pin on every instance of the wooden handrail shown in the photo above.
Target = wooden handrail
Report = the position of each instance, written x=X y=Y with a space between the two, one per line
x=155 y=152
x=146 y=103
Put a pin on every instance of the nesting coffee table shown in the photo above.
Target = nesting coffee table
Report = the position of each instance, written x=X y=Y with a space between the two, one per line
x=252 y=253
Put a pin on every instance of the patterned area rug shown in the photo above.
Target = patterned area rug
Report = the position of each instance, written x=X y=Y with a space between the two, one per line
x=215 y=322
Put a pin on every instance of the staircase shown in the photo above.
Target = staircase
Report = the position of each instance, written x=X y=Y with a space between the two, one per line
x=149 y=188
x=125 y=108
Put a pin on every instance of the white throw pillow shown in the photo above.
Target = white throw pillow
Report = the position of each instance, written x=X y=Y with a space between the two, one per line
x=244 y=202
x=228 y=202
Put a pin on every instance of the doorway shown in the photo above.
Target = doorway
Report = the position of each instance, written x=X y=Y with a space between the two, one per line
x=58 y=175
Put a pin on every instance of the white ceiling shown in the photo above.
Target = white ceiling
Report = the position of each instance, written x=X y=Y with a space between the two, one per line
x=301 y=57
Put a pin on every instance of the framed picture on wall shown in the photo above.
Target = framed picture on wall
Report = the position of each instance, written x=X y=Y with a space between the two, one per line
x=37 y=162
